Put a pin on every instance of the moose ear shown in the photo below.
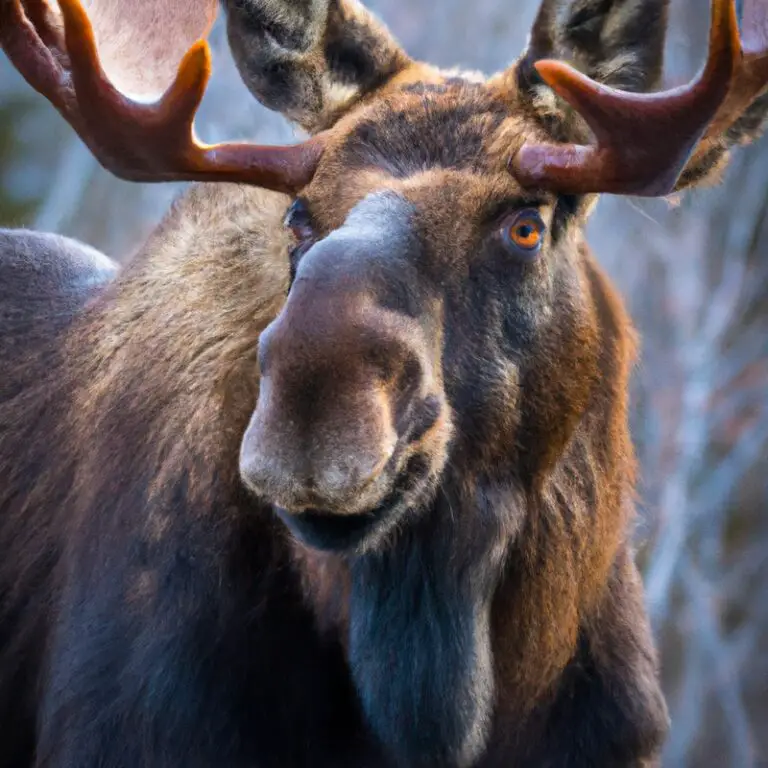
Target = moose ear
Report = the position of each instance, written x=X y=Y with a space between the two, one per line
x=310 y=59
x=619 y=43
x=616 y=42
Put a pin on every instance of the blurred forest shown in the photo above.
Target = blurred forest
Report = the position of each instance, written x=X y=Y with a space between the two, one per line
x=695 y=275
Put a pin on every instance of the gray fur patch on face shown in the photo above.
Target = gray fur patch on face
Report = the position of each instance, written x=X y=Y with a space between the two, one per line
x=377 y=229
x=380 y=216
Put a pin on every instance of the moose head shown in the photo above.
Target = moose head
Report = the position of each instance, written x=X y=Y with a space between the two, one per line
x=449 y=364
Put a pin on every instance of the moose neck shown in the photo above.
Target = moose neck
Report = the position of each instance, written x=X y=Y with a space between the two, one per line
x=419 y=640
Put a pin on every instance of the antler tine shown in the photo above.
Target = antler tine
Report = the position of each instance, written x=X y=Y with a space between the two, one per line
x=134 y=140
x=35 y=61
x=643 y=140
x=751 y=76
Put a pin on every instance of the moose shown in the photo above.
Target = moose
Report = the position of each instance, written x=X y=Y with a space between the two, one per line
x=336 y=470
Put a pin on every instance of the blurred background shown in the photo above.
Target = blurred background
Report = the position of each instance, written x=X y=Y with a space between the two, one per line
x=694 y=273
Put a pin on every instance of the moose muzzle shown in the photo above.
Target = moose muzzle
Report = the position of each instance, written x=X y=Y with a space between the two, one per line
x=349 y=395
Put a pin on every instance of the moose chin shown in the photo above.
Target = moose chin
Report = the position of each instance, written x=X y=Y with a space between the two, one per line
x=336 y=471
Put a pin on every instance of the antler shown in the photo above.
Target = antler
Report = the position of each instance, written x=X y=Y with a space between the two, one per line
x=135 y=140
x=751 y=76
x=644 y=141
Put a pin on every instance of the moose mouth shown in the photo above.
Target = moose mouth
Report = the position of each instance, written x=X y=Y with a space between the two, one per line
x=331 y=531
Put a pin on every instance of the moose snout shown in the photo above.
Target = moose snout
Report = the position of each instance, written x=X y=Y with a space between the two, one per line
x=337 y=376
x=290 y=472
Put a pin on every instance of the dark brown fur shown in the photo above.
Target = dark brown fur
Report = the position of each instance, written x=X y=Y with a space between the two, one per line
x=156 y=612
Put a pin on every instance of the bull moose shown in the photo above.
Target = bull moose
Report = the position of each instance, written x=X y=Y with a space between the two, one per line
x=336 y=471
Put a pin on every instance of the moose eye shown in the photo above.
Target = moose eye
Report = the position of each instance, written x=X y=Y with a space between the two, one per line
x=523 y=233
x=299 y=221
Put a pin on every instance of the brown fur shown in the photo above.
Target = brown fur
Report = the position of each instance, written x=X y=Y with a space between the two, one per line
x=155 y=610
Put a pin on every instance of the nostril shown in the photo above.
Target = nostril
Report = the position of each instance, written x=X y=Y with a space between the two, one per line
x=425 y=415
x=410 y=376
x=409 y=382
